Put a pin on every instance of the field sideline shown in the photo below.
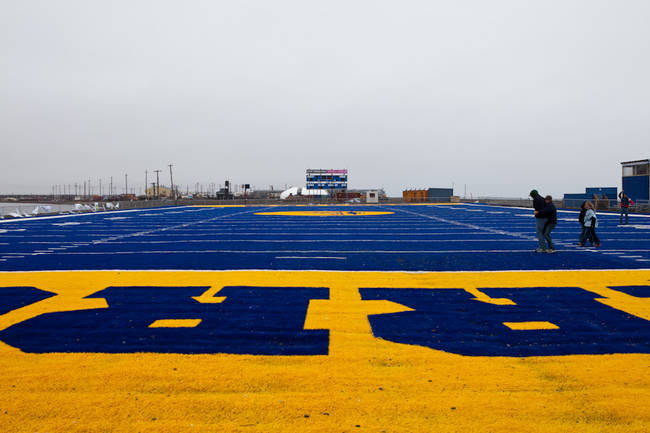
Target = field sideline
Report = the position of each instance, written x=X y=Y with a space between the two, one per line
x=390 y=318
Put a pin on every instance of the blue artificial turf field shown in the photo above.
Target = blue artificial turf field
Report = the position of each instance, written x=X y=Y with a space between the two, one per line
x=199 y=318
x=412 y=238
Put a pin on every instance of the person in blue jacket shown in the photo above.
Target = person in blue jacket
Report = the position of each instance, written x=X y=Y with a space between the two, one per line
x=549 y=212
x=591 y=222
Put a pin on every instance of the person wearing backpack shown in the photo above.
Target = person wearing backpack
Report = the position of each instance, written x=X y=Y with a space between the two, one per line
x=626 y=202
x=581 y=219
x=540 y=221
x=591 y=222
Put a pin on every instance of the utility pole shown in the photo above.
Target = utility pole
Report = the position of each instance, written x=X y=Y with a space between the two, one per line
x=126 y=184
x=146 y=196
x=110 y=190
x=100 y=188
x=171 y=180
x=158 y=184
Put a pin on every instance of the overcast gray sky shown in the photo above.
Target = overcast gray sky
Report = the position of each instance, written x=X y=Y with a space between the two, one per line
x=500 y=95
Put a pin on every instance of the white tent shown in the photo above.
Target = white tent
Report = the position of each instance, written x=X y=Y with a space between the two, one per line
x=81 y=207
x=296 y=191
x=41 y=209
x=293 y=191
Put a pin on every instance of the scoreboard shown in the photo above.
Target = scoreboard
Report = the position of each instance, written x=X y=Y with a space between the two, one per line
x=329 y=179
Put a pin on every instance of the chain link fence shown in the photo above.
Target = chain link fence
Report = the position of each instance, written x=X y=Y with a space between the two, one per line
x=640 y=206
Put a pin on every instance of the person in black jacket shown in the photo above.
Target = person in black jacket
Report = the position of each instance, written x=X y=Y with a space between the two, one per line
x=549 y=212
x=540 y=221
x=581 y=218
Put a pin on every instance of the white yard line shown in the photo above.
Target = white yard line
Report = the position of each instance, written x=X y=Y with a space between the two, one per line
x=527 y=251
x=163 y=229
x=415 y=241
x=311 y=257
x=288 y=271
x=59 y=250
x=472 y=226
x=567 y=244
x=604 y=213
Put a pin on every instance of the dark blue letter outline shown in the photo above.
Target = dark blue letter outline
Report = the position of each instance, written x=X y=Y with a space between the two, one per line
x=453 y=321
x=251 y=320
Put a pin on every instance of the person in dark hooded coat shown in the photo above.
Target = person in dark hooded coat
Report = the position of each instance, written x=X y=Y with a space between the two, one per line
x=540 y=221
x=550 y=213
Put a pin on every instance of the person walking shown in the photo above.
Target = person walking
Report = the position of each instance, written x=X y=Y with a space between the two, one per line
x=591 y=222
x=625 y=206
x=550 y=213
x=583 y=230
x=540 y=221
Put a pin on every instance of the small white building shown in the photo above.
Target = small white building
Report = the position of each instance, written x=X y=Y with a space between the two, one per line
x=372 y=196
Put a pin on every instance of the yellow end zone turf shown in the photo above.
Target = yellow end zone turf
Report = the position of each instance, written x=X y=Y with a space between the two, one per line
x=364 y=384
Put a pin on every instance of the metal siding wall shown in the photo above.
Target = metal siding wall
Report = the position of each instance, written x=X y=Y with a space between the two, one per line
x=637 y=187
x=577 y=196
x=440 y=192
x=611 y=192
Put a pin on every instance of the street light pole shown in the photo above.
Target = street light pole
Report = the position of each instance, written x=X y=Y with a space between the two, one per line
x=157 y=184
x=171 y=180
